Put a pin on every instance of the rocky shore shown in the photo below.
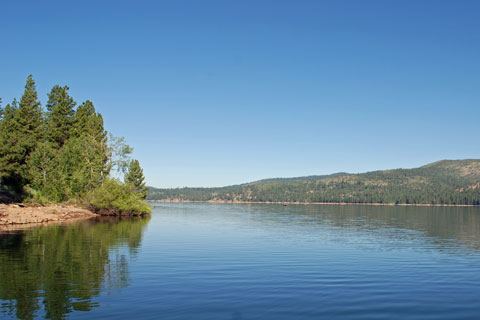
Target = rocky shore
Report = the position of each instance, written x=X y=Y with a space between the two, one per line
x=18 y=214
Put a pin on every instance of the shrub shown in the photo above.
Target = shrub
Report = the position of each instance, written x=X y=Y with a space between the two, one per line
x=34 y=196
x=116 y=198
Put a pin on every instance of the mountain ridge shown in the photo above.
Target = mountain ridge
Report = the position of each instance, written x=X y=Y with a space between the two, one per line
x=441 y=182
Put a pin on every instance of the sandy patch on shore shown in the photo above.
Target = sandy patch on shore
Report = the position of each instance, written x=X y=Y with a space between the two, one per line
x=23 y=215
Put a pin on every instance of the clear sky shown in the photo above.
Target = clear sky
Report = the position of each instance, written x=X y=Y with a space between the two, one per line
x=212 y=93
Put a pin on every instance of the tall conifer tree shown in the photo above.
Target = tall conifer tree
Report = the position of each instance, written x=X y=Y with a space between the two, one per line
x=89 y=126
x=19 y=136
x=88 y=122
x=135 y=177
x=60 y=115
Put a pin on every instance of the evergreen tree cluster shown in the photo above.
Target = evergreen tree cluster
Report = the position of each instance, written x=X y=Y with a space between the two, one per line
x=59 y=154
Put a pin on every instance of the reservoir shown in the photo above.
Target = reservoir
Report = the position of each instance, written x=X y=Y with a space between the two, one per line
x=248 y=261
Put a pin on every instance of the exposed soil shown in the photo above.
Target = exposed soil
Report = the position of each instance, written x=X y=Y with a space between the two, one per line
x=18 y=214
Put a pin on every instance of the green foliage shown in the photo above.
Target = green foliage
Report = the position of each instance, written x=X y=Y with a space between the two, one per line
x=63 y=155
x=445 y=182
x=114 y=197
x=9 y=111
x=135 y=178
x=119 y=154
x=36 y=196
x=40 y=163
x=89 y=123
x=60 y=115
x=75 y=169
x=20 y=132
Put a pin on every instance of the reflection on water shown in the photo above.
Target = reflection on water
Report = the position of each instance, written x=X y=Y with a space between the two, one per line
x=443 y=226
x=219 y=261
x=55 y=270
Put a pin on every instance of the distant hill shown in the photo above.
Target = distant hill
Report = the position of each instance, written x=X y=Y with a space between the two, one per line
x=296 y=179
x=441 y=182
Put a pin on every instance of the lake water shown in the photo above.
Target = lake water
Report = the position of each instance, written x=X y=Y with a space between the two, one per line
x=219 y=261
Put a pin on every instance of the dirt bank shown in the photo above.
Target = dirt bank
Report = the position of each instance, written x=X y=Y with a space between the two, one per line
x=14 y=214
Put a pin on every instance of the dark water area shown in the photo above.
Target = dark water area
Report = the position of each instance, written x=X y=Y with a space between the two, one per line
x=219 y=261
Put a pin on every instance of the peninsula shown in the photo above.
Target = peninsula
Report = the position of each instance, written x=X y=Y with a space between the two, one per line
x=60 y=163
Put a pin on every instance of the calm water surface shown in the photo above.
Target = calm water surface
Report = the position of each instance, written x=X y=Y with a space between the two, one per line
x=214 y=261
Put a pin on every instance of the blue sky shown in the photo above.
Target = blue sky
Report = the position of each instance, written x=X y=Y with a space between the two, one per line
x=212 y=93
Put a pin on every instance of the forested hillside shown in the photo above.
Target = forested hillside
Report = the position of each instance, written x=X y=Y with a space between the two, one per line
x=63 y=154
x=442 y=182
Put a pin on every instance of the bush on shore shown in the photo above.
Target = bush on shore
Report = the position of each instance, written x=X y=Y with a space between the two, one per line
x=117 y=198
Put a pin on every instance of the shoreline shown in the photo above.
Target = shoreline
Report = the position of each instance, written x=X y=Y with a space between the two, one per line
x=313 y=203
x=14 y=215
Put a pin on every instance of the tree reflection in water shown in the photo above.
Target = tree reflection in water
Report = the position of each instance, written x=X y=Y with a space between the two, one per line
x=61 y=268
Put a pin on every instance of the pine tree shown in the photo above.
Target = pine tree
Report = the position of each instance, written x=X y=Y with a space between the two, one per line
x=87 y=122
x=60 y=115
x=83 y=119
x=8 y=112
x=8 y=160
x=28 y=117
x=20 y=133
x=135 y=178
x=89 y=126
